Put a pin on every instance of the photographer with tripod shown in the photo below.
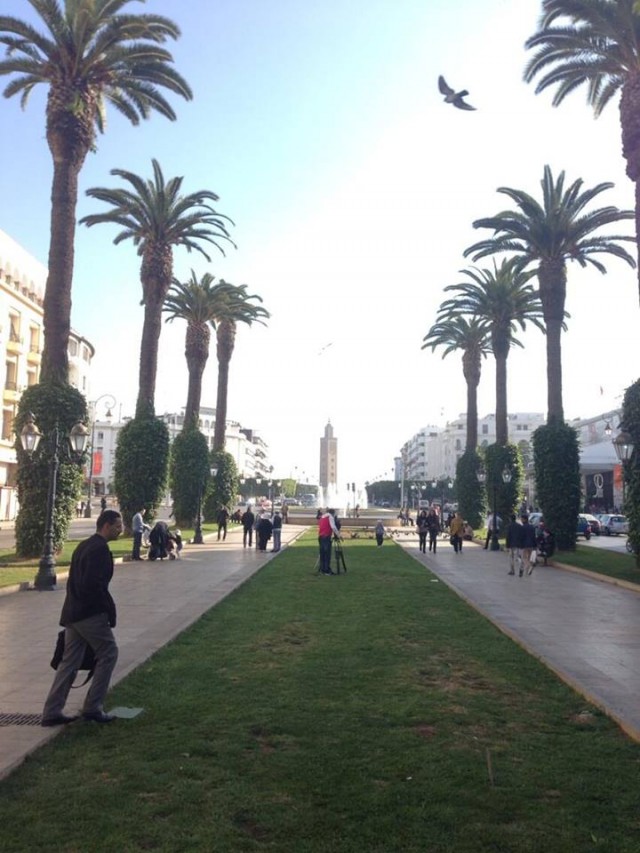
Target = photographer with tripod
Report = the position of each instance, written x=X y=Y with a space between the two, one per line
x=327 y=530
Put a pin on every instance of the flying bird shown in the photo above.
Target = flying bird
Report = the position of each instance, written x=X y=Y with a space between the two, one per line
x=452 y=97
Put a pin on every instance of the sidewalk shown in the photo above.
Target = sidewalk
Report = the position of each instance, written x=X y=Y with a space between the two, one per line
x=156 y=601
x=586 y=631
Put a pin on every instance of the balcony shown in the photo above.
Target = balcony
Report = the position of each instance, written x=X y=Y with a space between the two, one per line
x=14 y=342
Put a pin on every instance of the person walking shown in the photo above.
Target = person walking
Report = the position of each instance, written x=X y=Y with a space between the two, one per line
x=423 y=529
x=455 y=532
x=433 y=526
x=263 y=531
x=379 y=532
x=247 y=519
x=489 y=523
x=326 y=531
x=513 y=544
x=88 y=617
x=277 y=531
x=222 y=518
x=527 y=544
x=137 y=528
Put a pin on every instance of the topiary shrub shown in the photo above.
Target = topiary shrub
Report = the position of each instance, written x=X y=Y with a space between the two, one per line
x=497 y=458
x=223 y=488
x=141 y=466
x=188 y=474
x=557 y=472
x=470 y=492
x=52 y=405
x=631 y=469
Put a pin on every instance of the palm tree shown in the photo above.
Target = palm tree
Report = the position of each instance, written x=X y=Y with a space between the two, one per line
x=90 y=54
x=548 y=235
x=236 y=307
x=471 y=337
x=157 y=217
x=197 y=302
x=598 y=45
x=503 y=298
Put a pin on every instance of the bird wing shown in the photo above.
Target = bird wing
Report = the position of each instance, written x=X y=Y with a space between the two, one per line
x=458 y=102
x=444 y=88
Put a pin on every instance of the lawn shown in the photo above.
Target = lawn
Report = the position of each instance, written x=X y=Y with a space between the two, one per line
x=372 y=712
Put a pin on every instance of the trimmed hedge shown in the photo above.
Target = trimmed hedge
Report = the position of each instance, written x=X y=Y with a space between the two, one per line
x=52 y=405
x=141 y=466
x=497 y=457
x=631 y=469
x=470 y=493
x=223 y=487
x=557 y=471
x=188 y=474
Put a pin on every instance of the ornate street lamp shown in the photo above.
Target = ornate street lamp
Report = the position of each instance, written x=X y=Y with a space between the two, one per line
x=624 y=447
x=506 y=478
x=108 y=416
x=30 y=437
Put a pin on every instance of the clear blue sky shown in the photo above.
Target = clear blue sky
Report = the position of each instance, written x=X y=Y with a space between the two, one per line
x=353 y=188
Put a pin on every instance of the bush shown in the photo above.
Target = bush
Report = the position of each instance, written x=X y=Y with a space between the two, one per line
x=189 y=474
x=557 y=471
x=497 y=458
x=53 y=405
x=631 y=470
x=223 y=488
x=471 y=493
x=141 y=466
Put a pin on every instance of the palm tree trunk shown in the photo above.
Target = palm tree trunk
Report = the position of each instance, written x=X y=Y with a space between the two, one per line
x=555 y=409
x=151 y=329
x=57 y=297
x=471 y=371
x=502 y=427
x=629 y=111
x=225 y=334
x=194 y=392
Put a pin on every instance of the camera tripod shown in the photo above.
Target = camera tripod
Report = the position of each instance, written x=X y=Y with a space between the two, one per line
x=338 y=553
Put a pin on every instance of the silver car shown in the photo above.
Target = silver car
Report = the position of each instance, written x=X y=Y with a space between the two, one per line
x=614 y=524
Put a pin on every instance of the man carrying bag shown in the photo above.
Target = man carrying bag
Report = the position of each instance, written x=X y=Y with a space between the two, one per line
x=88 y=616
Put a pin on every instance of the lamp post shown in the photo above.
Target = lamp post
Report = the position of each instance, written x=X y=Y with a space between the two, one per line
x=624 y=447
x=108 y=416
x=197 y=532
x=30 y=437
x=445 y=485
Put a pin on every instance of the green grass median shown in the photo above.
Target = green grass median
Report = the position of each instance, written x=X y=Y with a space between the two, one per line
x=372 y=712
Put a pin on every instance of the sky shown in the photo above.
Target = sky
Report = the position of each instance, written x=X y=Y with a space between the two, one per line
x=353 y=189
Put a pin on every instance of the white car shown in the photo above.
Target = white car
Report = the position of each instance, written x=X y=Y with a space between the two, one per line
x=614 y=524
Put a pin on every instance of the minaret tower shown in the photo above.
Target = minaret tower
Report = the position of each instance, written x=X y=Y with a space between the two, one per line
x=328 y=459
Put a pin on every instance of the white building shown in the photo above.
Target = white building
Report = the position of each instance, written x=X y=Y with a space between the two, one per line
x=22 y=285
x=250 y=452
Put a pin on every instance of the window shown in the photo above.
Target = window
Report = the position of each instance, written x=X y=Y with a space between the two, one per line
x=32 y=376
x=14 y=327
x=86 y=355
x=73 y=347
x=7 y=425
x=34 y=339
x=10 y=382
x=485 y=429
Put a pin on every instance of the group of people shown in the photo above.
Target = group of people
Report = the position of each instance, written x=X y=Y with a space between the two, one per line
x=265 y=528
x=82 y=505
x=163 y=542
x=525 y=542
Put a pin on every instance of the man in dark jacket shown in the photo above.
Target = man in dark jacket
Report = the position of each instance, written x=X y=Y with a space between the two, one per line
x=88 y=615
x=222 y=518
x=247 y=520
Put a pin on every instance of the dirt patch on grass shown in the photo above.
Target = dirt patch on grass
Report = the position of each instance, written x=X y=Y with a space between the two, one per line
x=425 y=730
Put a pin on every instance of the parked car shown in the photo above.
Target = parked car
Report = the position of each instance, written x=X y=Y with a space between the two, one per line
x=291 y=502
x=594 y=522
x=584 y=528
x=614 y=524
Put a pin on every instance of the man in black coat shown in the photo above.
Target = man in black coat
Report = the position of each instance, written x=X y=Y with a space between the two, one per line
x=88 y=616
x=247 y=520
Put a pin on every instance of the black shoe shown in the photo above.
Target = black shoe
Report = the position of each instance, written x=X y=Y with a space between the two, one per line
x=98 y=717
x=58 y=720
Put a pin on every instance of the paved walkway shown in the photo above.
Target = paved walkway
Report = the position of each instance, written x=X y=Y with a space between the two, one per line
x=156 y=601
x=586 y=630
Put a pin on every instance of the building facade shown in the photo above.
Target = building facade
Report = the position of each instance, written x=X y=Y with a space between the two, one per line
x=22 y=285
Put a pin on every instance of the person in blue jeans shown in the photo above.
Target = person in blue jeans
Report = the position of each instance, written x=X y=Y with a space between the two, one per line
x=277 y=531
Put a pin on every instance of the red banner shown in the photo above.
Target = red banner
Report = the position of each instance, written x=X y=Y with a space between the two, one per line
x=97 y=463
